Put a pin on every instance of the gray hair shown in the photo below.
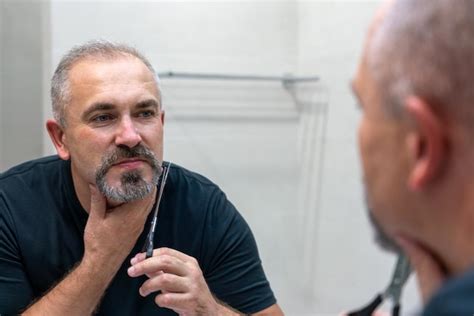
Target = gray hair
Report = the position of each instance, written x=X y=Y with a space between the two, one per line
x=60 y=85
x=426 y=48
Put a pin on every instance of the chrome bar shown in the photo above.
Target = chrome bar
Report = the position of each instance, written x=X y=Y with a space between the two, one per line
x=213 y=76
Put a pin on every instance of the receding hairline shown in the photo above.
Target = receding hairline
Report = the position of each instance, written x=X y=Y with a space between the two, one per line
x=100 y=59
x=425 y=48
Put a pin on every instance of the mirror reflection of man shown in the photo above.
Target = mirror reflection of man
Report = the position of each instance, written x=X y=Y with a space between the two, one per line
x=73 y=226
x=414 y=84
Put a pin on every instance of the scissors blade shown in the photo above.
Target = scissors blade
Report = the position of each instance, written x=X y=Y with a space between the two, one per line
x=400 y=276
x=149 y=247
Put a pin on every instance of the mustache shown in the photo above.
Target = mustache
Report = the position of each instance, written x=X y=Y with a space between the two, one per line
x=123 y=152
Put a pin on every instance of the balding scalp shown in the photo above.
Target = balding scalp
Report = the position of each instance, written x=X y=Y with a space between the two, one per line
x=426 y=48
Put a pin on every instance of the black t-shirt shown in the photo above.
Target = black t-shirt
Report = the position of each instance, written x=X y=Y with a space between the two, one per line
x=41 y=239
x=456 y=297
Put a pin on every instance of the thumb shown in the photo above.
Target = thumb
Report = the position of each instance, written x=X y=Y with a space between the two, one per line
x=98 y=203
x=429 y=271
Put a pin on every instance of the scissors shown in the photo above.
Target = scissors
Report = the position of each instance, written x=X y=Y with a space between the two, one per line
x=149 y=240
x=393 y=291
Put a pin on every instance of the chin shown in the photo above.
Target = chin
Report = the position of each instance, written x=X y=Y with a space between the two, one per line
x=383 y=239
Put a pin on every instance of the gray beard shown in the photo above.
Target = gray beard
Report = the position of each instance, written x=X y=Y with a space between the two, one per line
x=381 y=238
x=132 y=184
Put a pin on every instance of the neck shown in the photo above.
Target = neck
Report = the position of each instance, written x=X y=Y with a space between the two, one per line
x=82 y=189
x=450 y=233
x=457 y=246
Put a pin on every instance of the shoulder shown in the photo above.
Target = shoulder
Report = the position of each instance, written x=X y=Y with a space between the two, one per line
x=31 y=183
x=30 y=169
x=192 y=185
x=454 y=298
x=187 y=177
x=197 y=198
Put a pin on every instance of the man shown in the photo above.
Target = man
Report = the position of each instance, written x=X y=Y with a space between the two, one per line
x=414 y=84
x=73 y=226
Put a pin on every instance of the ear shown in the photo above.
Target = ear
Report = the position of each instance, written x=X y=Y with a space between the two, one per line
x=426 y=143
x=58 y=138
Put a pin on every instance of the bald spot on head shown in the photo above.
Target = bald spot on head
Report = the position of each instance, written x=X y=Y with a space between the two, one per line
x=424 y=48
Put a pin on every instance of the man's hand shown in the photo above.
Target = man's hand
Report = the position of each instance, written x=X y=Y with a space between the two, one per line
x=108 y=238
x=110 y=234
x=428 y=270
x=180 y=280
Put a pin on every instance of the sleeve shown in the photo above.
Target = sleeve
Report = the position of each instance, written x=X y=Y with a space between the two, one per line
x=233 y=268
x=15 y=289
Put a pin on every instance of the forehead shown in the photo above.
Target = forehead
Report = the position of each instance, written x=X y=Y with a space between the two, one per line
x=122 y=70
x=363 y=82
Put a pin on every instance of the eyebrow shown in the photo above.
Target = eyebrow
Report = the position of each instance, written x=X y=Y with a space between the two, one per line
x=147 y=104
x=101 y=106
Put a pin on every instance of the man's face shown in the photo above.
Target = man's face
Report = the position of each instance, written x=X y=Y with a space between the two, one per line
x=114 y=127
x=381 y=145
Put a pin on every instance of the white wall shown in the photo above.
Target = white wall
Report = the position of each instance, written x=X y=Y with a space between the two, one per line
x=245 y=135
x=21 y=80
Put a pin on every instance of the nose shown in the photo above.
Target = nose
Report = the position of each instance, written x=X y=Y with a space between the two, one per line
x=127 y=134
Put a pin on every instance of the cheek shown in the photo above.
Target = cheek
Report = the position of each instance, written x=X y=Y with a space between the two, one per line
x=153 y=138
x=89 y=147
x=372 y=159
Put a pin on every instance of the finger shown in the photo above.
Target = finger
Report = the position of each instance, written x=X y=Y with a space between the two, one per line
x=178 y=302
x=165 y=263
x=164 y=282
x=163 y=251
x=98 y=203
x=174 y=253
x=429 y=270
x=139 y=257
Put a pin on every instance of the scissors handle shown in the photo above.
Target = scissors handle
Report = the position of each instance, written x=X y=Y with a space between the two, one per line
x=369 y=309
x=396 y=310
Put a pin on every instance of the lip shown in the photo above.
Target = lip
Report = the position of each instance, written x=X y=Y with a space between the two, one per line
x=129 y=163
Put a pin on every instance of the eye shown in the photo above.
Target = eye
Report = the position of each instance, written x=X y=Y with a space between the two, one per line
x=101 y=118
x=147 y=113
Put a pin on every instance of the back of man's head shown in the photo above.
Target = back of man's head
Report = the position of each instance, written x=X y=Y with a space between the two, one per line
x=426 y=48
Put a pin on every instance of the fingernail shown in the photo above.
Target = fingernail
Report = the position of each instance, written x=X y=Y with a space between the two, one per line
x=142 y=292
x=131 y=271
x=134 y=260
